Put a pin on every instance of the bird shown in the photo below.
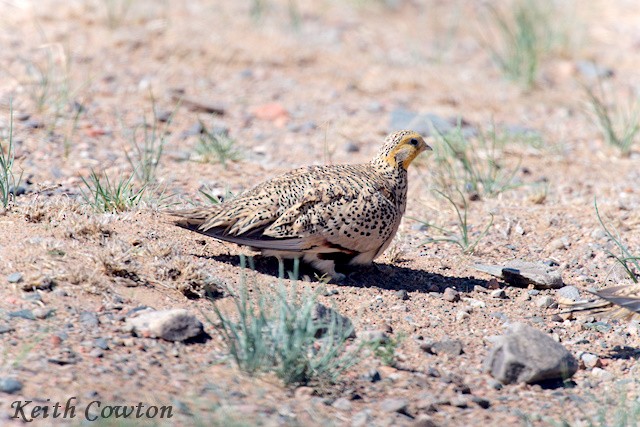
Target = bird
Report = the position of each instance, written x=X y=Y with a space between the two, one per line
x=323 y=214
x=616 y=302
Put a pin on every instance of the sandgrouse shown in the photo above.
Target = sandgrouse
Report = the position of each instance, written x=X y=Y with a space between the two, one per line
x=345 y=214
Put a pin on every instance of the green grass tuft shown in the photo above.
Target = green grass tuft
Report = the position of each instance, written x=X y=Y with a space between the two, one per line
x=216 y=147
x=105 y=195
x=618 y=125
x=278 y=333
x=9 y=180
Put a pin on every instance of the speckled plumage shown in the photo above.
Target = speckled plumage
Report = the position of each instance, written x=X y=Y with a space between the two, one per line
x=324 y=214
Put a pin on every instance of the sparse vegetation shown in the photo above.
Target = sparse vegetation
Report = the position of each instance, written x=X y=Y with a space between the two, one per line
x=278 y=333
x=524 y=35
x=463 y=236
x=9 y=179
x=474 y=164
x=216 y=147
x=147 y=141
x=385 y=350
x=618 y=124
x=105 y=195
x=116 y=11
x=629 y=261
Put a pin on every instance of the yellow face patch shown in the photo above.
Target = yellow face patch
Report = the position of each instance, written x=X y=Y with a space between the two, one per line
x=409 y=147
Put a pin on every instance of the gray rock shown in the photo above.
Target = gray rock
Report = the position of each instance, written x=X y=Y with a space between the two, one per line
x=499 y=294
x=592 y=71
x=101 y=343
x=342 y=403
x=5 y=328
x=89 y=318
x=524 y=354
x=561 y=243
x=394 y=405
x=449 y=347
x=568 y=294
x=372 y=376
x=545 y=301
x=351 y=147
x=10 y=385
x=451 y=295
x=424 y=420
x=23 y=314
x=323 y=316
x=42 y=312
x=481 y=402
x=361 y=419
x=171 y=325
x=14 y=277
x=522 y=274
x=590 y=360
x=402 y=294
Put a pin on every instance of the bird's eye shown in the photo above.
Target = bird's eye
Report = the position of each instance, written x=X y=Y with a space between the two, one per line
x=413 y=142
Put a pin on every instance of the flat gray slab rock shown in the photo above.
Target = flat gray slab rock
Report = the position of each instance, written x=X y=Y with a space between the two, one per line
x=526 y=355
x=171 y=325
x=524 y=273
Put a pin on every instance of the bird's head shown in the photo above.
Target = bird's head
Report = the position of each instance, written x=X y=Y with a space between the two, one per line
x=400 y=148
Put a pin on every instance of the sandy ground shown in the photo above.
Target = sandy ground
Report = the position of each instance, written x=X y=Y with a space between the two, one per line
x=315 y=89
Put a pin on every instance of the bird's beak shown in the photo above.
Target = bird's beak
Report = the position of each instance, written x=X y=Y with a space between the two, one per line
x=427 y=147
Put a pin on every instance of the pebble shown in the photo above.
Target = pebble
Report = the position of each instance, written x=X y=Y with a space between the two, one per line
x=590 y=360
x=481 y=402
x=372 y=376
x=424 y=420
x=89 y=318
x=461 y=316
x=350 y=147
x=96 y=352
x=533 y=292
x=499 y=294
x=602 y=374
x=568 y=294
x=10 y=385
x=23 y=314
x=42 y=312
x=523 y=273
x=451 y=295
x=14 y=277
x=448 y=347
x=402 y=294
x=561 y=243
x=101 y=343
x=170 y=325
x=544 y=301
x=342 y=404
x=325 y=315
x=496 y=385
x=361 y=419
x=394 y=405
x=5 y=328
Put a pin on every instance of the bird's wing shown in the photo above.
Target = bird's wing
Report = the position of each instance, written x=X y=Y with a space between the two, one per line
x=289 y=212
x=350 y=221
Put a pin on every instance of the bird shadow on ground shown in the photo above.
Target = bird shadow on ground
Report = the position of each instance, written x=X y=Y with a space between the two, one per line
x=624 y=352
x=383 y=276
